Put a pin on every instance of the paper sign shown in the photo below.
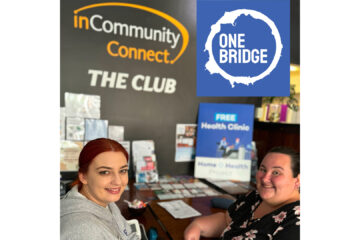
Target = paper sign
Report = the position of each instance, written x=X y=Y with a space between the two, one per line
x=179 y=209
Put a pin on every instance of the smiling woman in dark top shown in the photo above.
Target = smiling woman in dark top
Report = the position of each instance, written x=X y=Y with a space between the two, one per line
x=270 y=212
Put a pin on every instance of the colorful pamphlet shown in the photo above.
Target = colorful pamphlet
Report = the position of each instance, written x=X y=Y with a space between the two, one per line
x=185 y=142
x=144 y=159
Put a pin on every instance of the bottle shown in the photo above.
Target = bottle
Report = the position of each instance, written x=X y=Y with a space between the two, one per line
x=242 y=151
x=254 y=160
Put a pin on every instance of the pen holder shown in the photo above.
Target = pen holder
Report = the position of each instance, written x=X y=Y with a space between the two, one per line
x=136 y=207
x=137 y=211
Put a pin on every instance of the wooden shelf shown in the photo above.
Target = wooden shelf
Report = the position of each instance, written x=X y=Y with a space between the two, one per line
x=274 y=123
x=270 y=134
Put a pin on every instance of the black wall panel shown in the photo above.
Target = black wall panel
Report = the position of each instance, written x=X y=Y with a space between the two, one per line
x=145 y=115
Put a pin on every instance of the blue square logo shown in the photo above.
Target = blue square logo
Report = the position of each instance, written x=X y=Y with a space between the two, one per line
x=243 y=47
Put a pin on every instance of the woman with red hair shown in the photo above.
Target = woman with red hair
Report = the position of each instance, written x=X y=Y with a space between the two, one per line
x=88 y=210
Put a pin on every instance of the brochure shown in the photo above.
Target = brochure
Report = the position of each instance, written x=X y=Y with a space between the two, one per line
x=116 y=132
x=185 y=142
x=82 y=105
x=69 y=155
x=95 y=128
x=75 y=129
x=144 y=159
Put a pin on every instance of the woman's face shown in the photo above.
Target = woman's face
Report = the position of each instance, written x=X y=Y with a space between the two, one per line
x=275 y=181
x=106 y=178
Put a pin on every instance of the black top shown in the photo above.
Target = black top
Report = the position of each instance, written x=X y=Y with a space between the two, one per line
x=281 y=224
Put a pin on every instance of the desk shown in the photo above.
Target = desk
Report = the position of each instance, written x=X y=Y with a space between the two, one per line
x=157 y=217
x=176 y=227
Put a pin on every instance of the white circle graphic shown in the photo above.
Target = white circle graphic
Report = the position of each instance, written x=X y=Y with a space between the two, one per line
x=229 y=18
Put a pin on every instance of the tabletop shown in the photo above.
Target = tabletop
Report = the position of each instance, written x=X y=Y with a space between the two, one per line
x=157 y=217
x=176 y=227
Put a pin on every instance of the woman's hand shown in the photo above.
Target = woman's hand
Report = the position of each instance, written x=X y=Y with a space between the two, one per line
x=192 y=232
x=207 y=226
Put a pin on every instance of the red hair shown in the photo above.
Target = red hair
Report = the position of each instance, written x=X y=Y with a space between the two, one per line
x=94 y=148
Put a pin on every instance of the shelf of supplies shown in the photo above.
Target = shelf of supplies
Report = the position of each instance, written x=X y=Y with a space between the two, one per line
x=259 y=123
x=271 y=134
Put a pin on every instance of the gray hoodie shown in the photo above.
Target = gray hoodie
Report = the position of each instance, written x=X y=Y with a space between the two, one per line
x=82 y=219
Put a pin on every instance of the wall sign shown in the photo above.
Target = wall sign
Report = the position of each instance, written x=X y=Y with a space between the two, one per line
x=243 y=48
x=129 y=33
x=146 y=91
x=224 y=135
